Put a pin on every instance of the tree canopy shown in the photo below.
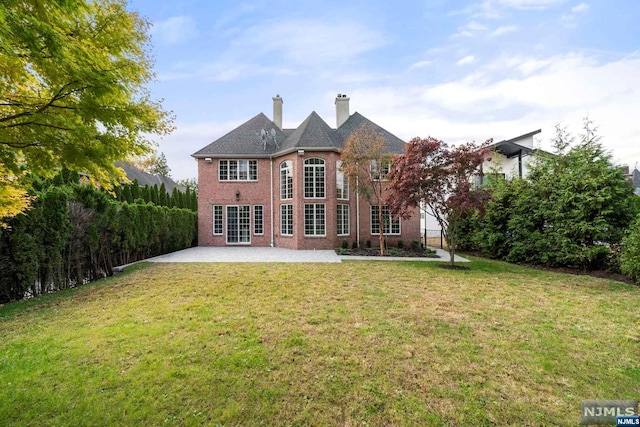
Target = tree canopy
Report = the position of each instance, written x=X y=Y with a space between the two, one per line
x=72 y=89
x=432 y=175
x=154 y=164
x=365 y=161
x=571 y=210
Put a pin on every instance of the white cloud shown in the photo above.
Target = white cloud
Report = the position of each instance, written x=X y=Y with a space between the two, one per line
x=530 y=4
x=186 y=140
x=471 y=29
x=310 y=41
x=469 y=59
x=563 y=88
x=175 y=30
x=501 y=31
x=419 y=65
x=582 y=7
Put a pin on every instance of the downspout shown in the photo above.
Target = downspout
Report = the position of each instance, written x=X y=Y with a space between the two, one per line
x=271 y=195
x=357 y=213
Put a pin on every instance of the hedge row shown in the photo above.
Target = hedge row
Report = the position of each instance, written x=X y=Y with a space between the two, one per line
x=75 y=234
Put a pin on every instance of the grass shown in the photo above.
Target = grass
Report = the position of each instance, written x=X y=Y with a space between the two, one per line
x=357 y=343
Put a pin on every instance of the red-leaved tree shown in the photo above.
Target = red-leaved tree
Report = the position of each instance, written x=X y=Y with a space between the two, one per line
x=437 y=178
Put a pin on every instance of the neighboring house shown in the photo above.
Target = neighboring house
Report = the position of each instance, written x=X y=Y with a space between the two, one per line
x=263 y=185
x=508 y=159
x=144 y=178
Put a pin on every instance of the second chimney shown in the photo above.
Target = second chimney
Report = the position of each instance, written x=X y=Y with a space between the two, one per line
x=342 y=109
x=277 y=111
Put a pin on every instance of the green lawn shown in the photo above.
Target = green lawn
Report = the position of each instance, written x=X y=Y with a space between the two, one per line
x=357 y=343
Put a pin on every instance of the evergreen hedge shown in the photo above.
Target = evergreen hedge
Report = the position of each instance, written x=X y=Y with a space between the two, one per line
x=75 y=234
x=572 y=210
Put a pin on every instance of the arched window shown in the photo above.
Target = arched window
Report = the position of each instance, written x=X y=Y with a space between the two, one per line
x=286 y=180
x=342 y=183
x=314 y=181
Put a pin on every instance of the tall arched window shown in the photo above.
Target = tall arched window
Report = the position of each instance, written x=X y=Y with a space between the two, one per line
x=314 y=178
x=286 y=180
x=342 y=183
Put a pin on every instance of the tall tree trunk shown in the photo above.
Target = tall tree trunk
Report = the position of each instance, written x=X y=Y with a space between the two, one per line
x=452 y=242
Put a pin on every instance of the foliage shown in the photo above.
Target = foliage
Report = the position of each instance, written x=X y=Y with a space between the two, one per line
x=364 y=160
x=154 y=164
x=630 y=255
x=571 y=210
x=189 y=183
x=72 y=85
x=14 y=198
x=433 y=175
x=133 y=193
x=75 y=233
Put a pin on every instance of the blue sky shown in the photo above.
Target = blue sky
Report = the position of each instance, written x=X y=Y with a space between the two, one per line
x=455 y=70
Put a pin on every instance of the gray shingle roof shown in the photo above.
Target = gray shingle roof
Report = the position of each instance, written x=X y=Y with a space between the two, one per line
x=246 y=140
x=144 y=178
x=313 y=133
x=357 y=121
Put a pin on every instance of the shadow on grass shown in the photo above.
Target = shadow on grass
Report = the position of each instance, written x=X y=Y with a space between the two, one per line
x=12 y=309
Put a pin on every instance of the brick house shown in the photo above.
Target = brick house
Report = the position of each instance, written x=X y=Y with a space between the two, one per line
x=262 y=185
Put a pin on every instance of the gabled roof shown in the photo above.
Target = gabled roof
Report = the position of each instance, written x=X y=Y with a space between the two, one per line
x=312 y=134
x=357 y=121
x=144 y=178
x=246 y=140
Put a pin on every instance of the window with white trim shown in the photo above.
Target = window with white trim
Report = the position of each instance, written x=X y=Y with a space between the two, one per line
x=391 y=225
x=314 y=178
x=217 y=220
x=378 y=171
x=258 y=219
x=238 y=170
x=342 y=222
x=342 y=183
x=314 y=219
x=286 y=220
x=286 y=180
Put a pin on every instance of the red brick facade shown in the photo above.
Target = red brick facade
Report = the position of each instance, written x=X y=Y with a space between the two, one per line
x=265 y=192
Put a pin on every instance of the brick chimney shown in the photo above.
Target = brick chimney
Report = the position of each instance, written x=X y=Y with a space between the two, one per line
x=342 y=109
x=277 y=111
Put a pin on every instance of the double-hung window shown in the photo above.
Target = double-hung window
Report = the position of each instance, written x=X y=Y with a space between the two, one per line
x=238 y=170
x=342 y=222
x=380 y=170
x=314 y=181
x=258 y=219
x=314 y=219
x=391 y=225
x=286 y=220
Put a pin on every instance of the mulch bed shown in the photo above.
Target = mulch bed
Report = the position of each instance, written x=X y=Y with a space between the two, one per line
x=405 y=252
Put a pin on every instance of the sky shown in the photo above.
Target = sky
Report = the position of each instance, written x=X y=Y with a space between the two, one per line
x=455 y=70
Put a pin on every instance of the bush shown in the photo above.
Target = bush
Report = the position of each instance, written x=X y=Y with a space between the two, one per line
x=630 y=254
x=368 y=244
x=415 y=244
x=400 y=244
x=345 y=244
x=354 y=245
